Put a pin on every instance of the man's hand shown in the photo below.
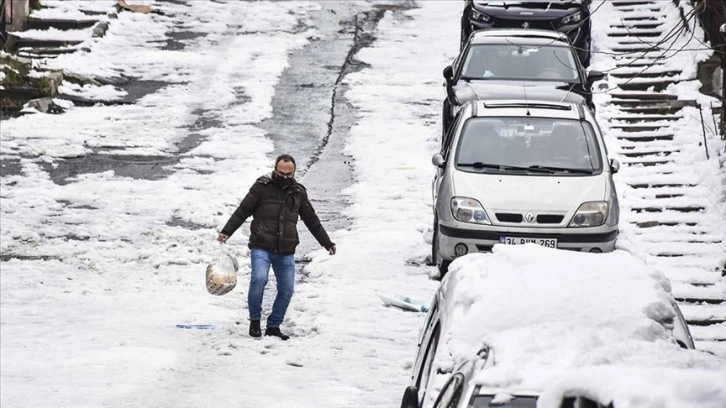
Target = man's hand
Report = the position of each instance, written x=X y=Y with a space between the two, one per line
x=331 y=250
x=222 y=238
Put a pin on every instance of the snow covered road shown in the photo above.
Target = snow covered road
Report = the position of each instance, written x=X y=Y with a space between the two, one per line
x=98 y=266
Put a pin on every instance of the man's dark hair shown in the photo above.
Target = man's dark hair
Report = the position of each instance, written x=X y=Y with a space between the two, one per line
x=285 y=158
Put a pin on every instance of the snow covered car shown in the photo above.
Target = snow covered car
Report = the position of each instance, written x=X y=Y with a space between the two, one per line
x=570 y=17
x=513 y=172
x=516 y=64
x=525 y=322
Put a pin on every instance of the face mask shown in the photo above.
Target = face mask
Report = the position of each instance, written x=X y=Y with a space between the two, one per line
x=282 y=181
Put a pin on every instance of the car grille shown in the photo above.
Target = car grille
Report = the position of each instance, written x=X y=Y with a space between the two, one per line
x=516 y=218
x=509 y=217
x=549 y=219
x=535 y=24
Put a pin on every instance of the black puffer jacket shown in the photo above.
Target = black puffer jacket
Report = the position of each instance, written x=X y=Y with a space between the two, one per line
x=275 y=212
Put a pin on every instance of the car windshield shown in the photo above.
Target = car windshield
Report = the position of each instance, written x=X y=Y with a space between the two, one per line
x=537 y=145
x=520 y=62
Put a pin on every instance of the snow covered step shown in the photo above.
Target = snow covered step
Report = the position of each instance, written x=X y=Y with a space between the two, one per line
x=667 y=192
x=647 y=84
x=649 y=96
x=637 y=18
x=662 y=176
x=635 y=118
x=714 y=347
x=25 y=42
x=637 y=32
x=654 y=72
x=711 y=332
x=692 y=275
x=645 y=161
x=35 y=23
x=675 y=249
x=640 y=130
x=660 y=152
x=708 y=263
x=703 y=314
x=630 y=106
x=684 y=292
x=653 y=235
x=686 y=204
x=666 y=218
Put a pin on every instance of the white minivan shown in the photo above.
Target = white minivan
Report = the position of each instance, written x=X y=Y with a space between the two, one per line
x=515 y=172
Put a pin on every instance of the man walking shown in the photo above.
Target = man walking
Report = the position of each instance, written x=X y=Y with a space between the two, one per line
x=275 y=201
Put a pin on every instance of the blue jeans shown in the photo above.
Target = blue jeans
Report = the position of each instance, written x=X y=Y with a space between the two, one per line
x=284 y=268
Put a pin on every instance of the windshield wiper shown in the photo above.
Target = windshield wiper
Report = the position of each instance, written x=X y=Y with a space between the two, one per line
x=480 y=165
x=567 y=169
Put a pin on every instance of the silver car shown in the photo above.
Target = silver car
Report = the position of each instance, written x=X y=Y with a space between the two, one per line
x=514 y=172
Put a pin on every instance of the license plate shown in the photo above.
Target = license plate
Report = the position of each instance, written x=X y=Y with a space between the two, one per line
x=545 y=242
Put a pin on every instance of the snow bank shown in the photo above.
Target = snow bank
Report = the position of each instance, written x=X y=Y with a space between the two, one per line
x=559 y=321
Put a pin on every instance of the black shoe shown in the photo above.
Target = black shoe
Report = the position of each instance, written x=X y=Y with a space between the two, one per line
x=275 y=331
x=255 y=330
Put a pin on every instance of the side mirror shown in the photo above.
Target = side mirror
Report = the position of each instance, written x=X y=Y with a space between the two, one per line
x=614 y=166
x=410 y=398
x=438 y=160
x=593 y=76
x=449 y=74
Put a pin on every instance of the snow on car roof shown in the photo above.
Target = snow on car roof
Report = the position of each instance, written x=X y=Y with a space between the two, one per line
x=548 y=315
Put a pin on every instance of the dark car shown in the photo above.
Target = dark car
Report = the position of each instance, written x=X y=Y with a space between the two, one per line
x=571 y=17
x=516 y=64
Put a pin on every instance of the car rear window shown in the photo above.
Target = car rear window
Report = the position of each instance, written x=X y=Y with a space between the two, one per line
x=521 y=62
x=528 y=142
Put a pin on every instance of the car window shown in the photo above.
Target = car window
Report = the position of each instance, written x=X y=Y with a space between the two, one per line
x=423 y=377
x=451 y=393
x=446 y=143
x=543 y=144
x=521 y=62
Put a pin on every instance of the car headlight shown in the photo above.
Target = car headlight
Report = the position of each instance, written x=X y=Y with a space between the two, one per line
x=572 y=18
x=475 y=15
x=468 y=210
x=590 y=214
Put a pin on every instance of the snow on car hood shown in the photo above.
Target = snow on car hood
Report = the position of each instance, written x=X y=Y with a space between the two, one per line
x=559 y=321
x=552 y=91
x=530 y=193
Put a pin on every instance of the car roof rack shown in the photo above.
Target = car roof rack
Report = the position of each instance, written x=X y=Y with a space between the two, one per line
x=520 y=33
x=530 y=104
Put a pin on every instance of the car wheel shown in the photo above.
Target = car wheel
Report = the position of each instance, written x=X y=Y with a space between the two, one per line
x=442 y=264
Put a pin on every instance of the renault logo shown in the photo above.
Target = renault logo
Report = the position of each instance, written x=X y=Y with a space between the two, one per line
x=525 y=25
x=529 y=217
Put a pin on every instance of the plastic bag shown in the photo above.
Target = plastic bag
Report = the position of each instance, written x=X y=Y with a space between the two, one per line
x=222 y=273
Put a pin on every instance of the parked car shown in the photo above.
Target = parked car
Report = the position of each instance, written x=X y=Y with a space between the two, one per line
x=462 y=390
x=516 y=64
x=570 y=17
x=513 y=172
x=532 y=311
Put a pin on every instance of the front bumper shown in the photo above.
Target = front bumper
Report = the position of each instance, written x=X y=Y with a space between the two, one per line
x=483 y=238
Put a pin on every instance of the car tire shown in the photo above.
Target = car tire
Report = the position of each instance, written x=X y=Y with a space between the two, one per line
x=442 y=264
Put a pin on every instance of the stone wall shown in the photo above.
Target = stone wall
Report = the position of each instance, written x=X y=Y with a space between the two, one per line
x=20 y=12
